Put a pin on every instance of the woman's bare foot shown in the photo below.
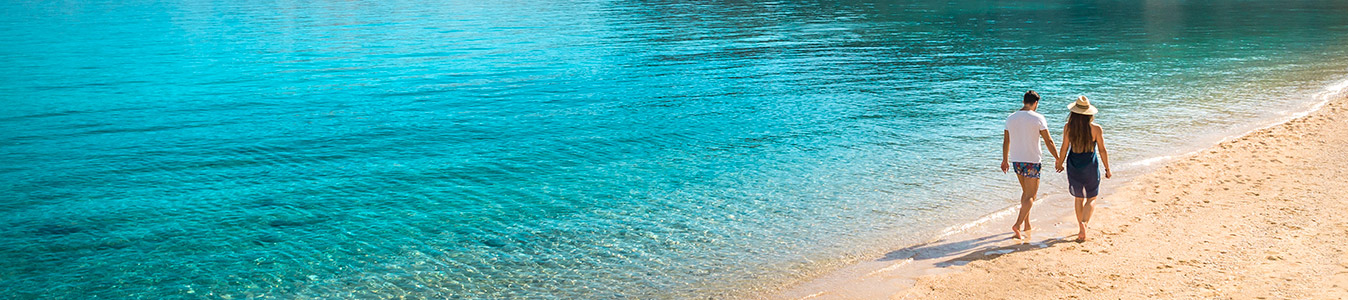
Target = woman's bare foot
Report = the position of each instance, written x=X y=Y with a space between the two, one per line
x=1016 y=230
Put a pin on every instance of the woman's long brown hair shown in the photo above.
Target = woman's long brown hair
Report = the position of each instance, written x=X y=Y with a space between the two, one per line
x=1079 y=132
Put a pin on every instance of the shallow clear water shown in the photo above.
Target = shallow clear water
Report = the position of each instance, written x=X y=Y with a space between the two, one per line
x=572 y=149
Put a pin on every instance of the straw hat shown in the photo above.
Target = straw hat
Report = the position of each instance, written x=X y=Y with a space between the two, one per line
x=1082 y=106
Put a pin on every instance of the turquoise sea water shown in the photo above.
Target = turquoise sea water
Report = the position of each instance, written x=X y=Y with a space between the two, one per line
x=572 y=149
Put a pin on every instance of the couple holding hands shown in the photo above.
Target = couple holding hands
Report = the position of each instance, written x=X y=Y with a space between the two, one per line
x=1081 y=140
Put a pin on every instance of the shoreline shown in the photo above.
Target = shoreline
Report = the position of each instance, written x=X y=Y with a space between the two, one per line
x=900 y=272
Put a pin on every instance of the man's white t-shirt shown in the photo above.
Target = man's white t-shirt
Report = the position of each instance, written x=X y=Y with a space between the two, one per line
x=1023 y=128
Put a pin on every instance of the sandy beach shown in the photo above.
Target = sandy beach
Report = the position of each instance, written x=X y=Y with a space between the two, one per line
x=1261 y=216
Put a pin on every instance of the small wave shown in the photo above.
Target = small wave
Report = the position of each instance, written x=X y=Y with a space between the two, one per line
x=975 y=223
x=1337 y=87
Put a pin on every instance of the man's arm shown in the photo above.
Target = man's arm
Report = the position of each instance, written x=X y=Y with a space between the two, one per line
x=1052 y=149
x=1006 y=146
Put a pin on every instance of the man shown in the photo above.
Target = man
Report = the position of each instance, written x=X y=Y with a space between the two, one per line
x=1020 y=145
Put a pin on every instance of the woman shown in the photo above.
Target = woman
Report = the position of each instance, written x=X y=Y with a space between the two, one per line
x=1082 y=137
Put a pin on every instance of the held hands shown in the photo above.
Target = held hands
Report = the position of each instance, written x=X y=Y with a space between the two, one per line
x=1005 y=166
x=1058 y=166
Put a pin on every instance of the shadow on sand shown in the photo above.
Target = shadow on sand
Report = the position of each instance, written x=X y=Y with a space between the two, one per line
x=958 y=253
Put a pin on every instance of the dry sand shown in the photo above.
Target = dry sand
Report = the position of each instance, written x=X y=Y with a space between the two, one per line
x=1263 y=216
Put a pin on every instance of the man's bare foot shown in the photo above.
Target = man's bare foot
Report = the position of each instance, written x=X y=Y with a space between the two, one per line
x=1016 y=230
x=1081 y=236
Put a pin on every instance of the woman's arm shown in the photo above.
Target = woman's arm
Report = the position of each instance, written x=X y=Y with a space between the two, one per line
x=1100 y=144
x=1058 y=165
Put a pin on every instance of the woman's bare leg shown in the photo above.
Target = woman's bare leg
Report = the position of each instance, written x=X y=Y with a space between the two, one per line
x=1087 y=208
x=1081 y=218
x=1084 y=209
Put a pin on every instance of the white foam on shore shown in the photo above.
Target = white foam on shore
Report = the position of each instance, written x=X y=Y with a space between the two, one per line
x=952 y=230
x=1337 y=87
x=892 y=267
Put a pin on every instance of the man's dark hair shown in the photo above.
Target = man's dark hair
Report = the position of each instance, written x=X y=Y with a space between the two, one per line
x=1031 y=97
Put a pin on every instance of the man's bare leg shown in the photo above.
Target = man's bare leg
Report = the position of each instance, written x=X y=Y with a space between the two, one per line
x=1028 y=187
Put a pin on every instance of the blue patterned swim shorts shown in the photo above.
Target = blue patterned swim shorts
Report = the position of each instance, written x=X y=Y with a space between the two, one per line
x=1029 y=170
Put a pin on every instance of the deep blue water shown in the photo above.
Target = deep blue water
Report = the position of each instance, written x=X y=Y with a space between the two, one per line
x=571 y=149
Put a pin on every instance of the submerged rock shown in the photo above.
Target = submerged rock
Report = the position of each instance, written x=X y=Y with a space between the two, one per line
x=53 y=229
x=495 y=242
